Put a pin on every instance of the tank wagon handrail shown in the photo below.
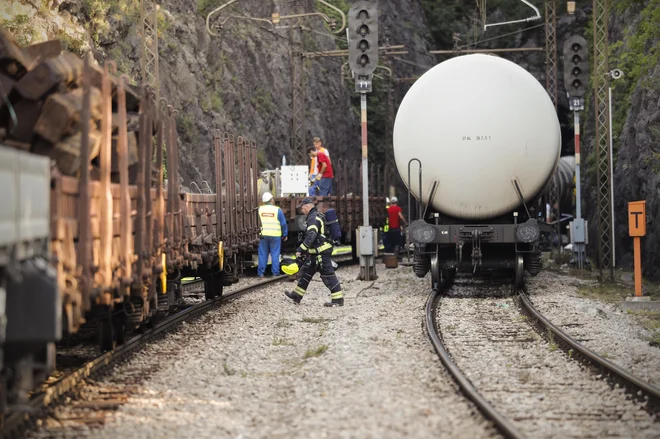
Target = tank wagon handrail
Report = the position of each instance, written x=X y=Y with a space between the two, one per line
x=410 y=190
x=198 y=189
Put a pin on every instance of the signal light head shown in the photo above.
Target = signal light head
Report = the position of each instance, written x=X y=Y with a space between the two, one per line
x=363 y=38
x=576 y=68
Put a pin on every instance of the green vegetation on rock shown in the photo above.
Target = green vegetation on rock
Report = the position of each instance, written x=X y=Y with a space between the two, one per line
x=637 y=54
x=19 y=27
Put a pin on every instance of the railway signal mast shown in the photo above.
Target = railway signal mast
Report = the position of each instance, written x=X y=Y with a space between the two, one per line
x=363 y=60
x=576 y=78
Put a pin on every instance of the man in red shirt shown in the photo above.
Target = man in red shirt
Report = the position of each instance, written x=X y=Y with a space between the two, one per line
x=325 y=173
x=395 y=216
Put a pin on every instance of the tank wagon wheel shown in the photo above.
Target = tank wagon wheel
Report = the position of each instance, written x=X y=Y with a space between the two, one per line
x=209 y=290
x=519 y=272
x=106 y=332
x=435 y=271
x=174 y=287
x=119 y=323
x=214 y=285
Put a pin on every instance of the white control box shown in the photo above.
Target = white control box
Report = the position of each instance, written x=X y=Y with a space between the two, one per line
x=294 y=180
x=366 y=241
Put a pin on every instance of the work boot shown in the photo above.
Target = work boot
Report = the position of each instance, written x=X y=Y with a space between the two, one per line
x=335 y=302
x=293 y=296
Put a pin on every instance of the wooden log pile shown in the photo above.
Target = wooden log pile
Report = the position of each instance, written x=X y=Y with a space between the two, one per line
x=41 y=102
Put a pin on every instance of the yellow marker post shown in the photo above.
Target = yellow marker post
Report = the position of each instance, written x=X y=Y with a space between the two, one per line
x=637 y=229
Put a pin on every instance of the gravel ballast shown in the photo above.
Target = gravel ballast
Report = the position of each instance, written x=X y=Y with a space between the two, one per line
x=261 y=366
x=602 y=327
x=528 y=379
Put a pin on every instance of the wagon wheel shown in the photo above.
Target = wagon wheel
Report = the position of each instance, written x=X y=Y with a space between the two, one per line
x=106 y=333
x=519 y=270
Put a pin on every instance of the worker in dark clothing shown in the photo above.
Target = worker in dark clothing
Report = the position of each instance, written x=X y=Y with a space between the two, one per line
x=320 y=251
x=394 y=220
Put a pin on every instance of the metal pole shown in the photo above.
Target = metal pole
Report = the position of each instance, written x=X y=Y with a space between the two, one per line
x=578 y=198
x=612 y=180
x=578 y=226
x=365 y=160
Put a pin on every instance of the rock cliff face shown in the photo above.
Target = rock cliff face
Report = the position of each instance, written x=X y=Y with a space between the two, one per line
x=635 y=32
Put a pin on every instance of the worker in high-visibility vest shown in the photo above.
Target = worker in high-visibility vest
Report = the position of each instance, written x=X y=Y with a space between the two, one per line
x=386 y=227
x=274 y=230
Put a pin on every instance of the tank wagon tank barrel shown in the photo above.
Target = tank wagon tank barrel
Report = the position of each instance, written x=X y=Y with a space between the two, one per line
x=488 y=140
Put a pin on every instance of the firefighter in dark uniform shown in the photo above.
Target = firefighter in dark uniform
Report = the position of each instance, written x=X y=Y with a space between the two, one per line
x=320 y=251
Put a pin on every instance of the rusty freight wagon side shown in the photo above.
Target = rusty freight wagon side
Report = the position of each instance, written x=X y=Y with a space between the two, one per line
x=220 y=245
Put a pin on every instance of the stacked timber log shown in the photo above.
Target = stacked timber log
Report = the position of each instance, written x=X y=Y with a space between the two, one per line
x=42 y=102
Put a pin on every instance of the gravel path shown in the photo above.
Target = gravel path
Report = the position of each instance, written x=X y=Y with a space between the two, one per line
x=602 y=327
x=261 y=366
x=531 y=381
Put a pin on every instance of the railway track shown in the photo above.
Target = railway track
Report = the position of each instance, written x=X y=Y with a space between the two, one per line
x=16 y=423
x=504 y=356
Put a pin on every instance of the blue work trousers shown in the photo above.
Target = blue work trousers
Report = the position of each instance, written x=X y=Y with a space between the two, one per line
x=393 y=238
x=325 y=187
x=272 y=245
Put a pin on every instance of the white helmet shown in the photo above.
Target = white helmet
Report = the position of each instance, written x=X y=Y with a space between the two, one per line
x=394 y=200
x=266 y=197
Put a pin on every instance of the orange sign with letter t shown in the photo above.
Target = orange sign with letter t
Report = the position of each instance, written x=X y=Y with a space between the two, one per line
x=637 y=218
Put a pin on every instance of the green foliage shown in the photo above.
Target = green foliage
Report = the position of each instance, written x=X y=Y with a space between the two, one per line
x=186 y=125
x=263 y=100
x=98 y=12
x=262 y=161
x=334 y=15
x=206 y=6
x=636 y=55
x=70 y=43
x=20 y=29
x=316 y=352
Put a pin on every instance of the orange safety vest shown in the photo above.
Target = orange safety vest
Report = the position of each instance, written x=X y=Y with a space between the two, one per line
x=313 y=166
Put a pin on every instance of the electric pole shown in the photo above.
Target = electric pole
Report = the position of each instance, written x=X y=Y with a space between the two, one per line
x=149 y=37
x=603 y=162
x=551 y=87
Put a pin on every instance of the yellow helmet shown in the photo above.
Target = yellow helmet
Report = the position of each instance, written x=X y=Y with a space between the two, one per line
x=290 y=266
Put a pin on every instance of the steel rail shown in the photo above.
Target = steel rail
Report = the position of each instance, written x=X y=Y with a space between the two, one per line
x=637 y=384
x=501 y=422
x=17 y=422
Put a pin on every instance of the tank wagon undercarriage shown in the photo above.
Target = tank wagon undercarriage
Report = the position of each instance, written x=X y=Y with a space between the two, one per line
x=478 y=248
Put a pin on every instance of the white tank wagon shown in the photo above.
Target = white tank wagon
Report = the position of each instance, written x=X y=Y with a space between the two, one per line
x=488 y=140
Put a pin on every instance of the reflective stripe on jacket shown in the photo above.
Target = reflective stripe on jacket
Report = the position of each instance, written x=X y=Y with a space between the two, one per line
x=270 y=224
x=314 y=240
